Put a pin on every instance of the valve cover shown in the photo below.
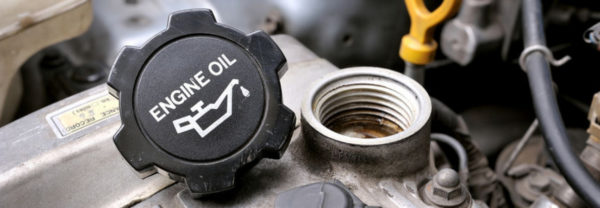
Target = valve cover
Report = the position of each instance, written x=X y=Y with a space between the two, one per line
x=200 y=101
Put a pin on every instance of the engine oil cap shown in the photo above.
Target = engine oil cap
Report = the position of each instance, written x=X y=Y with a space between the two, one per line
x=200 y=101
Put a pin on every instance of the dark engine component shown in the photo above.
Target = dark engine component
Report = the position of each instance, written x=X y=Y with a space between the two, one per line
x=320 y=195
x=201 y=101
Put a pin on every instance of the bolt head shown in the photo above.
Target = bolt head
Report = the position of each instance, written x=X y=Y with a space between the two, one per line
x=447 y=194
x=447 y=178
x=445 y=188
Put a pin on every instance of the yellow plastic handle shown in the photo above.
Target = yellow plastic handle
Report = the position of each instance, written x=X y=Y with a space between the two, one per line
x=418 y=46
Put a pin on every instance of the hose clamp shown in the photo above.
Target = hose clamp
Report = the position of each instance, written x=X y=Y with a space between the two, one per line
x=547 y=55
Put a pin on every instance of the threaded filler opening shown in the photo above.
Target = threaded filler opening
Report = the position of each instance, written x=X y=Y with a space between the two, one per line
x=366 y=106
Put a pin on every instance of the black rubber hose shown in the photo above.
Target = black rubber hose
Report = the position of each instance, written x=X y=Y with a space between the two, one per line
x=460 y=151
x=546 y=108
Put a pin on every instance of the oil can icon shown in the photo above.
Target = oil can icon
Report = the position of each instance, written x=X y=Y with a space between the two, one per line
x=190 y=122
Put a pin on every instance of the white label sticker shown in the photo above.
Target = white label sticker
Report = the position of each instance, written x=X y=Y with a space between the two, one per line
x=83 y=114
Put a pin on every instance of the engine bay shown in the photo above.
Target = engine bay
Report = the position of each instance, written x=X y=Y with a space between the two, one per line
x=264 y=103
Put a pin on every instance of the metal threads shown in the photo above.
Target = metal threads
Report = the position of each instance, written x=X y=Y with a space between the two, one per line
x=367 y=103
x=366 y=118
x=365 y=107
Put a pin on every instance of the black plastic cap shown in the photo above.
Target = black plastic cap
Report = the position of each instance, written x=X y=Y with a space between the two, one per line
x=201 y=100
x=320 y=195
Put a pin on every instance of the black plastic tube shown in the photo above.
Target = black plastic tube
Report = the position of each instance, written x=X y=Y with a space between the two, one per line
x=546 y=108
x=460 y=151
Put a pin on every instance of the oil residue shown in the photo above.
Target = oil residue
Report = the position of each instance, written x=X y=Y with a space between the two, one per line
x=364 y=126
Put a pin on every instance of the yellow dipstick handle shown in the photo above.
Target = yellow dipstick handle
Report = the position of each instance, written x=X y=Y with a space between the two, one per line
x=418 y=46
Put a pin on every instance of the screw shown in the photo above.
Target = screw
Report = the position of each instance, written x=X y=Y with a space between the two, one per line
x=447 y=184
x=445 y=189
x=447 y=178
